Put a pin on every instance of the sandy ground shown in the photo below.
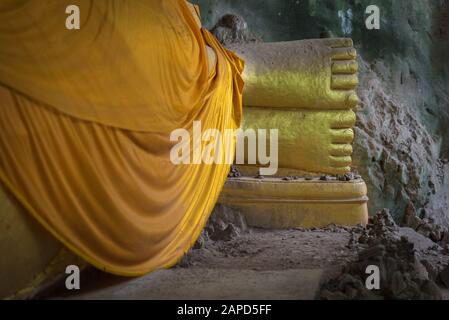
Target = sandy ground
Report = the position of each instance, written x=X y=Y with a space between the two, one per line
x=250 y=264
x=257 y=264
x=260 y=249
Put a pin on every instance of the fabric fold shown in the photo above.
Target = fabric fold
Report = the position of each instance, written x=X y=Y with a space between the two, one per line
x=85 y=123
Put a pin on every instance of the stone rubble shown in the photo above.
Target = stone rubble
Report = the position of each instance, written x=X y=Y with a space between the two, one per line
x=225 y=224
x=410 y=264
x=325 y=177
x=444 y=276
x=402 y=275
x=346 y=177
x=234 y=172
x=427 y=227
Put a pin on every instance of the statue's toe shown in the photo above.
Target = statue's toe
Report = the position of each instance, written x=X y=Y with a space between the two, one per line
x=344 y=67
x=338 y=42
x=343 y=54
x=344 y=81
x=342 y=135
x=341 y=150
x=343 y=120
x=347 y=99
x=352 y=100
x=339 y=162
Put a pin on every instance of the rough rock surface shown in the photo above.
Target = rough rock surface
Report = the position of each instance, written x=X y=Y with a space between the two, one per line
x=426 y=227
x=394 y=151
x=444 y=276
x=232 y=28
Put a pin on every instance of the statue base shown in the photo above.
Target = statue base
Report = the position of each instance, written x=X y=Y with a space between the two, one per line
x=278 y=203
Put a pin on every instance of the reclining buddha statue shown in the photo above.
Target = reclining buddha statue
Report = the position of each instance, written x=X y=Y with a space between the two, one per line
x=85 y=123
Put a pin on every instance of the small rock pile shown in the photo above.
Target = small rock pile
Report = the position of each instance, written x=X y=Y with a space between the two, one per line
x=402 y=276
x=348 y=176
x=234 y=172
x=333 y=228
x=224 y=224
x=427 y=227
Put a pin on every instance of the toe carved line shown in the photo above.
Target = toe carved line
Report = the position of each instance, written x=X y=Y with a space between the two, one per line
x=344 y=54
x=340 y=161
x=344 y=81
x=342 y=136
x=344 y=67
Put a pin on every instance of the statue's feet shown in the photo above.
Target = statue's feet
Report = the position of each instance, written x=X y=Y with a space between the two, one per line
x=306 y=90
x=313 y=141
x=344 y=69
x=318 y=74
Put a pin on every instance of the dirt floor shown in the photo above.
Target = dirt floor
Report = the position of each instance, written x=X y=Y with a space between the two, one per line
x=267 y=264
x=261 y=250
x=233 y=261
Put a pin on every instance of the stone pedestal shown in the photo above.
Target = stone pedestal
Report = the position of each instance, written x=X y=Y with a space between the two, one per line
x=297 y=202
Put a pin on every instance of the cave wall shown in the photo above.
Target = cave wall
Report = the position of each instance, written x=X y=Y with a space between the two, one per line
x=402 y=134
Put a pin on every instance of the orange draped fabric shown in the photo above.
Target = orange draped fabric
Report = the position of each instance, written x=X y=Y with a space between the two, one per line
x=86 y=117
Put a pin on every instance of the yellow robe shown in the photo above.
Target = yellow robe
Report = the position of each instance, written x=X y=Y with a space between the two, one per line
x=85 y=121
